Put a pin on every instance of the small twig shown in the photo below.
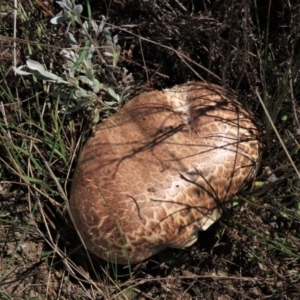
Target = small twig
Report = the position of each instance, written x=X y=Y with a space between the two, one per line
x=277 y=133
x=292 y=96
x=180 y=54
x=144 y=62
x=59 y=187
x=15 y=33
x=5 y=119
x=181 y=5
x=189 y=66
x=45 y=10
x=138 y=281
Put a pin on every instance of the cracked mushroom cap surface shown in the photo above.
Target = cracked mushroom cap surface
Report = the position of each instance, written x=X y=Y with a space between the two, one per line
x=159 y=170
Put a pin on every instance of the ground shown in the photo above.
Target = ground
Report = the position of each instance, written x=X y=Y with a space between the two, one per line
x=251 y=47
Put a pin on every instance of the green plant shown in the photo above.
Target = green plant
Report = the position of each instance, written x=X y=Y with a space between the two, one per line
x=79 y=81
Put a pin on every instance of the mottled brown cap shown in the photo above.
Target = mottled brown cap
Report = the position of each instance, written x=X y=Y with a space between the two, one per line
x=158 y=171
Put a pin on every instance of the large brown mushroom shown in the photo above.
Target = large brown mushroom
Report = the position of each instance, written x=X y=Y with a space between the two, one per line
x=159 y=170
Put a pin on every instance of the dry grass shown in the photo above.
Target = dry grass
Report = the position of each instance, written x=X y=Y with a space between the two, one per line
x=252 y=252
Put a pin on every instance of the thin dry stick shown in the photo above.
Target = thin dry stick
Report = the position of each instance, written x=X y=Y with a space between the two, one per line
x=189 y=66
x=71 y=162
x=293 y=97
x=139 y=281
x=277 y=133
x=15 y=49
x=15 y=33
x=25 y=41
x=44 y=8
x=144 y=62
x=181 y=5
x=5 y=119
x=59 y=187
x=168 y=48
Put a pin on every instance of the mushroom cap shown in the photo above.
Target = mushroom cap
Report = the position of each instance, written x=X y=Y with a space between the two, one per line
x=158 y=170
